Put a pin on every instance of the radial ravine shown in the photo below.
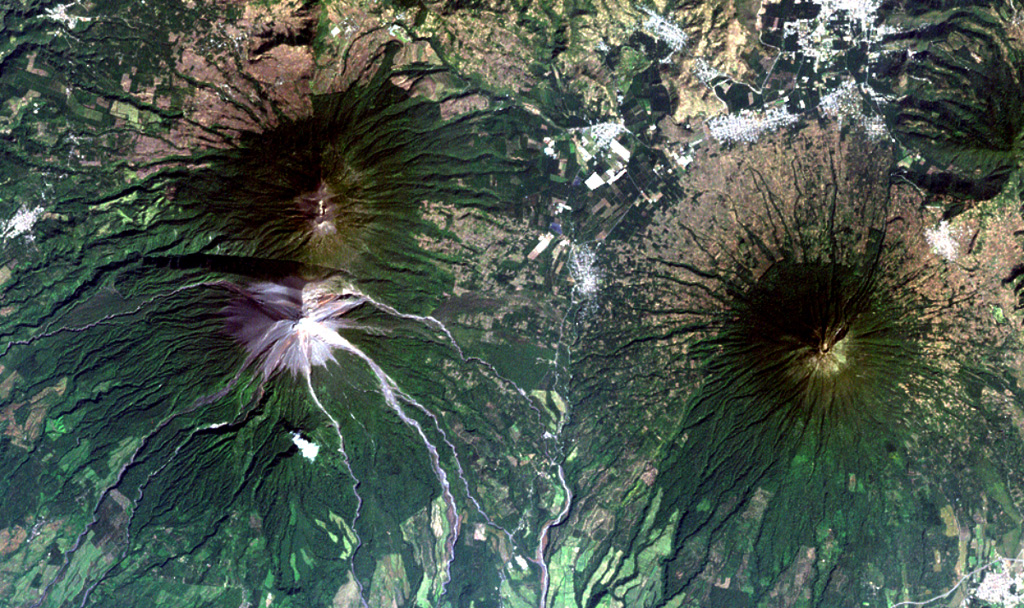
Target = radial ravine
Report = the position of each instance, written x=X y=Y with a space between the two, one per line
x=291 y=325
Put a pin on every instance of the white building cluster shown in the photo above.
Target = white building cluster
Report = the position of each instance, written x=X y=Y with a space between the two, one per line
x=60 y=15
x=704 y=72
x=1002 y=586
x=584 y=271
x=21 y=223
x=818 y=37
x=874 y=126
x=665 y=30
x=604 y=133
x=843 y=102
x=944 y=241
x=858 y=10
x=747 y=126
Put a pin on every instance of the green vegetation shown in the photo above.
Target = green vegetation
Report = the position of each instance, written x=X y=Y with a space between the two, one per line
x=959 y=79
x=145 y=451
x=343 y=188
x=733 y=376
x=787 y=340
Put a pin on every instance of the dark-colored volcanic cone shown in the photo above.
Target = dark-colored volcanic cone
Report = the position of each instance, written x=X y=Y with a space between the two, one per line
x=816 y=350
x=796 y=335
x=346 y=186
x=812 y=359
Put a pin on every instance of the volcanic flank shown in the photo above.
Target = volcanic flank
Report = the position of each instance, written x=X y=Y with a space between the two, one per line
x=815 y=344
x=805 y=346
x=265 y=294
x=344 y=187
x=952 y=77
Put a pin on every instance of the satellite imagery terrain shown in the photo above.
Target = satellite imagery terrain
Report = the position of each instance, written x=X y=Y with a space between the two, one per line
x=511 y=303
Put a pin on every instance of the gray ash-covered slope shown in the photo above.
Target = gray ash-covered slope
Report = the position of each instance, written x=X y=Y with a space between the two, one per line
x=813 y=394
x=150 y=458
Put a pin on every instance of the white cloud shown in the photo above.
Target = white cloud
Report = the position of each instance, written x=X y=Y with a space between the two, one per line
x=308 y=448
